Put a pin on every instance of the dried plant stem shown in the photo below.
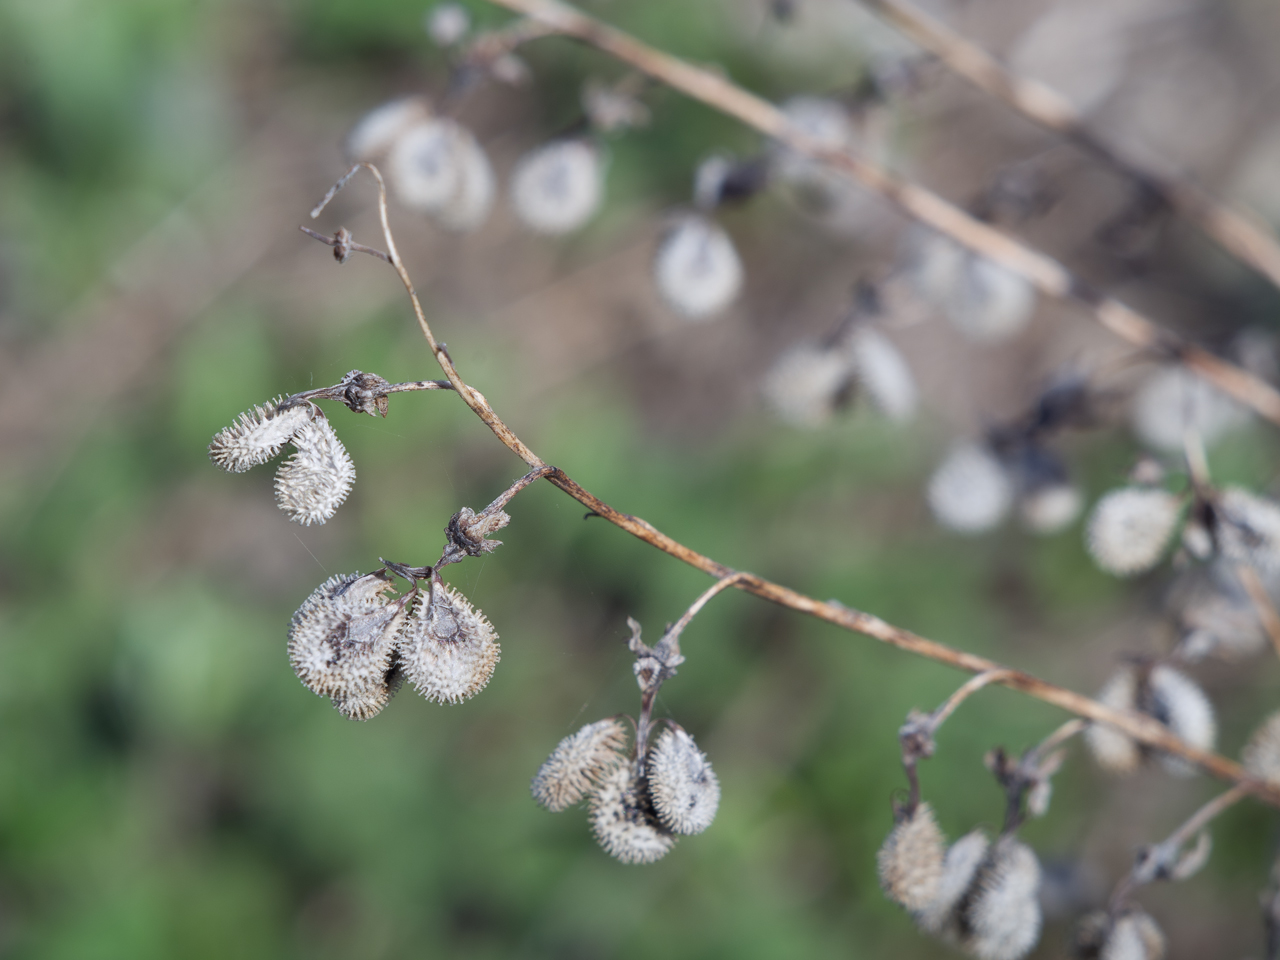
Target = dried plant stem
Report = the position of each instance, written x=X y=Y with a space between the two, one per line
x=1266 y=610
x=1136 y=725
x=1242 y=236
x=1047 y=275
x=677 y=628
x=968 y=689
x=1054 y=740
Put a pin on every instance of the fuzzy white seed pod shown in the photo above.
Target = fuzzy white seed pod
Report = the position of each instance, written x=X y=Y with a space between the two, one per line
x=578 y=763
x=367 y=704
x=623 y=820
x=883 y=373
x=697 y=269
x=557 y=187
x=1248 y=529
x=959 y=867
x=438 y=168
x=989 y=302
x=1216 y=614
x=1197 y=540
x=682 y=785
x=257 y=435
x=1112 y=749
x=1132 y=935
x=1174 y=400
x=1179 y=703
x=343 y=637
x=1130 y=528
x=806 y=382
x=312 y=483
x=447 y=23
x=709 y=180
x=1262 y=752
x=934 y=264
x=910 y=860
x=1002 y=914
x=826 y=122
x=970 y=492
x=449 y=649
x=376 y=132
x=1051 y=507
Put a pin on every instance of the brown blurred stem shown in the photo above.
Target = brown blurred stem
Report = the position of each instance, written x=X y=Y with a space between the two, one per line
x=1139 y=726
x=1242 y=236
x=1047 y=275
x=1266 y=610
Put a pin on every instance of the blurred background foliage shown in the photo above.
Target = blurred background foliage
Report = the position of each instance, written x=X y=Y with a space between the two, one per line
x=168 y=789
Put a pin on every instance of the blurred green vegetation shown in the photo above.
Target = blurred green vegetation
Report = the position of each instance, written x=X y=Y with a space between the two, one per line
x=168 y=789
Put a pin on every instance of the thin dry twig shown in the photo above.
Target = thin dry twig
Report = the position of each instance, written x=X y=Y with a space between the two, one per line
x=1139 y=726
x=1266 y=610
x=1047 y=275
x=1241 y=235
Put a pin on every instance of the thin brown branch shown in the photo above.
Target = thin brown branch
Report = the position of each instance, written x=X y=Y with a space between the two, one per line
x=1266 y=610
x=1241 y=235
x=1136 y=725
x=1047 y=275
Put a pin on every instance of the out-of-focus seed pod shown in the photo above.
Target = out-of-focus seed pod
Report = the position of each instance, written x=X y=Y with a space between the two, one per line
x=1216 y=614
x=1112 y=749
x=883 y=373
x=609 y=108
x=823 y=120
x=697 y=269
x=959 y=867
x=1132 y=935
x=258 y=435
x=557 y=187
x=682 y=785
x=989 y=302
x=1248 y=528
x=933 y=266
x=1262 y=752
x=910 y=860
x=437 y=168
x=376 y=132
x=447 y=23
x=970 y=492
x=343 y=638
x=1130 y=528
x=1051 y=507
x=314 y=481
x=1178 y=702
x=623 y=820
x=1000 y=918
x=578 y=763
x=1163 y=693
x=806 y=383
x=449 y=649
x=1174 y=400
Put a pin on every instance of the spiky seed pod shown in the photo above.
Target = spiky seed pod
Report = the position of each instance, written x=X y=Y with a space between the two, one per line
x=989 y=302
x=883 y=373
x=1216 y=614
x=959 y=868
x=910 y=860
x=1132 y=935
x=682 y=785
x=933 y=267
x=367 y=704
x=1112 y=749
x=376 y=132
x=1051 y=507
x=623 y=820
x=312 y=483
x=696 y=268
x=1174 y=400
x=1130 y=528
x=1178 y=702
x=343 y=637
x=578 y=763
x=258 y=435
x=1262 y=752
x=447 y=23
x=437 y=167
x=557 y=187
x=449 y=649
x=1248 y=528
x=1001 y=913
x=970 y=492
x=805 y=384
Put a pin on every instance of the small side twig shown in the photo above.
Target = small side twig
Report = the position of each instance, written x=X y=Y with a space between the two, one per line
x=1266 y=610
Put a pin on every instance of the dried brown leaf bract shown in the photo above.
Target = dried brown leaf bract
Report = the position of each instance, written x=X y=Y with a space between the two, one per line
x=449 y=649
x=578 y=763
x=682 y=785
